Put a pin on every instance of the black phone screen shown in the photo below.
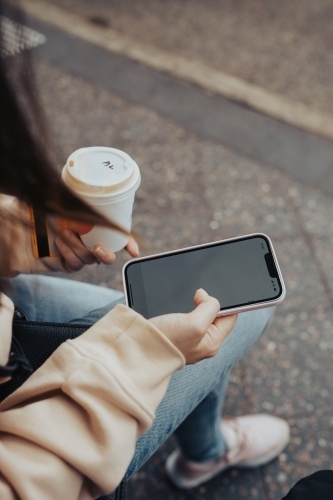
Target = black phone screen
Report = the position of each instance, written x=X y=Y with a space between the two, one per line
x=237 y=273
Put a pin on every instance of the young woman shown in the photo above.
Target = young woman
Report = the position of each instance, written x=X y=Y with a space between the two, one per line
x=103 y=403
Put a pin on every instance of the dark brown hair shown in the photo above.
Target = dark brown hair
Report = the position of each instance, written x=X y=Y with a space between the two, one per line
x=26 y=170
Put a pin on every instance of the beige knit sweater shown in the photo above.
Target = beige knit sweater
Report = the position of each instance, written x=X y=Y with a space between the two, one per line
x=69 y=432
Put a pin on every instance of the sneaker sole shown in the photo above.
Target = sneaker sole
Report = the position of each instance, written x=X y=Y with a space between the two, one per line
x=186 y=484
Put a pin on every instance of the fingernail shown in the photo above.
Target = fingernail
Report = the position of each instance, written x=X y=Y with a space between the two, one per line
x=100 y=252
x=67 y=232
x=202 y=290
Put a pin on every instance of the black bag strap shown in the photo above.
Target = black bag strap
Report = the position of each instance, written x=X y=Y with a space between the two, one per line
x=33 y=342
x=17 y=362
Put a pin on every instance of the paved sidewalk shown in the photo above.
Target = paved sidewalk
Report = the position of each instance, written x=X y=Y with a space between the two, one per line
x=282 y=46
x=196 y=177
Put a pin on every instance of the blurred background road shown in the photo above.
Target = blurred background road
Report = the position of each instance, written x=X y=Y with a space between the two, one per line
x=211 y=169
x=282 y=46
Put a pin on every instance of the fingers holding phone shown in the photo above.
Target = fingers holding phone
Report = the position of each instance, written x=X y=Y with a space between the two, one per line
x=242 y=273
x=198 y=334
x=218 y=330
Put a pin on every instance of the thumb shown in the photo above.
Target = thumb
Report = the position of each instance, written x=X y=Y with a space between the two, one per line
x=206 y=310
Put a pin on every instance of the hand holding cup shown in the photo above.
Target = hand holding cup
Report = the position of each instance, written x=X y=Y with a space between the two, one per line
x=77 y=255
x=106 y=179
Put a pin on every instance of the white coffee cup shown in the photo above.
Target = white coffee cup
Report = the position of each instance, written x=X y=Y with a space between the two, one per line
x=106 y=179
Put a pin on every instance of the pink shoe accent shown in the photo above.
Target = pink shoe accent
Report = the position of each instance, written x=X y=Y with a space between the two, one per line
x=252 y=440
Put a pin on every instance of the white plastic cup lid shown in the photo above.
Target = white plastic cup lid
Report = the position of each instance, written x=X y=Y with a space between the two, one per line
x=100 y=170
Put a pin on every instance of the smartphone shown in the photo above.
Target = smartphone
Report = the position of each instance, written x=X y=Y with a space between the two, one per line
x=242 y=273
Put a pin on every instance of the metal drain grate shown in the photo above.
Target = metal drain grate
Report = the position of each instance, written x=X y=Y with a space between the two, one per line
x=17 y=38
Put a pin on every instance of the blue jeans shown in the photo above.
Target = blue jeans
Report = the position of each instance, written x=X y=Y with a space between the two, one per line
x=193 y=403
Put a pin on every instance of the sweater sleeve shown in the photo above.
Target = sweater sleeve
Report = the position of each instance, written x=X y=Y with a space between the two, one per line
x=70 y=430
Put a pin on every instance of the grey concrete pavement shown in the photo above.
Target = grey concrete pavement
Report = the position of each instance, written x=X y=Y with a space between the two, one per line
x=306 y=157
x=191 y=178
x=282 y=46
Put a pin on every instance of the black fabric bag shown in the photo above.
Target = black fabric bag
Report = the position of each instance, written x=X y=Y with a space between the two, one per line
x=33 y=343
x=318 y=486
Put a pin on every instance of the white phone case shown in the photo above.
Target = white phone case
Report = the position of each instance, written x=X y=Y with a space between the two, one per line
x=225 y=312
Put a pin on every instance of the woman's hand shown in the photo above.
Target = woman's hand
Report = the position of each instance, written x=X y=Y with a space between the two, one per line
x=199 y=334
x=77 y=255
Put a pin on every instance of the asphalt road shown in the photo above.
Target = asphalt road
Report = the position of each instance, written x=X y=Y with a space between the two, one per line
x=282 y=46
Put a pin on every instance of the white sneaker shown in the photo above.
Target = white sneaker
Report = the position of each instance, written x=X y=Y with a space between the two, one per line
x=252 y=440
